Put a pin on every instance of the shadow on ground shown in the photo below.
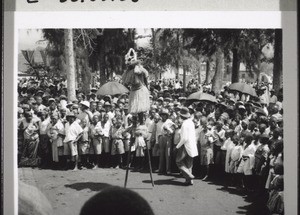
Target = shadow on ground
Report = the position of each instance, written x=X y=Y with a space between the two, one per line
x=166 y=182
x=88 y=185
x=256 y=202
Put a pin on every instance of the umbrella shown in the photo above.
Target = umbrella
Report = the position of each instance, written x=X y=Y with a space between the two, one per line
x=243 y=88
x=112 y=88
x=200 y=96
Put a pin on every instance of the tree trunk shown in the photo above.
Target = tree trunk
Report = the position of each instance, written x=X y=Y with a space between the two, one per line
x=218 y=77
x=235 y=75
x=154 y=53
x=86 y=75
x=177 y=70
x=184 y=78
x=199 y=75
x=277 y=69
x=177 y=64
x=199 y=71
x=257 y=71
x=207 y=71
x=102 y=66
x=70 y=63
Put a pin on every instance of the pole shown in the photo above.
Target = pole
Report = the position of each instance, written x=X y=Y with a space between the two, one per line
x=150 y=167
x=127 y=167
x=128 y=161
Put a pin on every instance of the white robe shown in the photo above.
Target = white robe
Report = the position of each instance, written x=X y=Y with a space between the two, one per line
x=247 y=165
x=228 y=146
x=188 y=137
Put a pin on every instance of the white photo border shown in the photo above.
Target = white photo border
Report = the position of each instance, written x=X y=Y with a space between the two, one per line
x=144 y=19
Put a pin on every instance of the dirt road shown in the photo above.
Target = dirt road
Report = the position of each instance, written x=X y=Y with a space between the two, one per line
x=67 y=191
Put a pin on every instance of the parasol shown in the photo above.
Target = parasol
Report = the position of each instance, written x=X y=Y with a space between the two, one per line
x=200 y=96
x=243 y=88
x=112 y=88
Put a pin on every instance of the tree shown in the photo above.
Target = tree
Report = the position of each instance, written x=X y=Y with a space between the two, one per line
x=154 y=42
x=209 y=42
x=254 y=41
x=55 y=51
x=85 y=45
x=111 y=47
x=70 y=62
x=277 y=70
x=217 y=80
x=29 y=57
x=171 y=50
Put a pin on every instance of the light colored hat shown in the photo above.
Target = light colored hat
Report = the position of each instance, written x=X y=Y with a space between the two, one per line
x=51 y=100
x=75 y=106
x=85 y=103
x=39 y=92
x=160 y=99
x=25 y=106
x=70 y=104
x=170 y=104
x=231 y=100
x=184 y=112
x=191 y=108
x=260 y=111
x=107 y=104
x=121 y=101
x=153 y=107
x=168 y=99
x=93 y=90
x=164 y=112
x=20 y=110
x=240 y=103
x=241 y=107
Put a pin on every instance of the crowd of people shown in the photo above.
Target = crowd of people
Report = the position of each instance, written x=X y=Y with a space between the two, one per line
x=239 y=138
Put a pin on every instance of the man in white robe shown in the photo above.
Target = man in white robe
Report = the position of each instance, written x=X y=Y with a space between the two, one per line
x=187 y=146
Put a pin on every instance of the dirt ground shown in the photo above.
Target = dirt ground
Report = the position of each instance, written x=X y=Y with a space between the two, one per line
x=67 y=191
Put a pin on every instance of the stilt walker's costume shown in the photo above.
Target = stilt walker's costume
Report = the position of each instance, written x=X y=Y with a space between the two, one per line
x=136 y=77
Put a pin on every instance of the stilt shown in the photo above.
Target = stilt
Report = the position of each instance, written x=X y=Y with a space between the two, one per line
x=127 y=166
x=149 y=162
x=128 y=161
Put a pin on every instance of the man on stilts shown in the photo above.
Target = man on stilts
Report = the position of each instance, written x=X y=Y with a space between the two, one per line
x=136 y=78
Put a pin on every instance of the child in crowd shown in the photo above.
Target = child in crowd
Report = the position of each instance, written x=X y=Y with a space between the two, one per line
x=206 y=142
x=84 y=145
x=117 y=149
x=96 y=141
x=227 y=148
x=235 y=155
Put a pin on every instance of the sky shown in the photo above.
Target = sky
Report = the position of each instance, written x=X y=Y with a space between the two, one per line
x=28 y=39
x=31 y=39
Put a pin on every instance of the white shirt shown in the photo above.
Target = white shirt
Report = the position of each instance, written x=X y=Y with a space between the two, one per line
x=125 y=117
x=41 y=107
x=72 y=131
x=44 y=125
x=188 y=137
x=166 y=127
x=106 y=129
x=158 y=130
